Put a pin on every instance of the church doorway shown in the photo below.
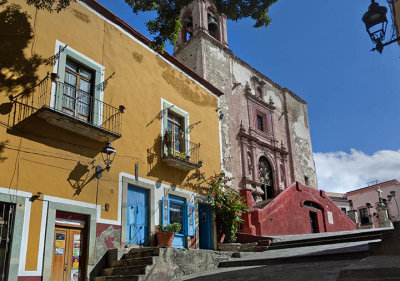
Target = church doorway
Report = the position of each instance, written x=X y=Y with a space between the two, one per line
x=266 y=179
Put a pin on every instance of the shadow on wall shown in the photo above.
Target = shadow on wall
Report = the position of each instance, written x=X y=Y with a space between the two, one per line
x=2 y=146
x=17 y=71
x=38 y=130
x=80 y=176
x=160 y=170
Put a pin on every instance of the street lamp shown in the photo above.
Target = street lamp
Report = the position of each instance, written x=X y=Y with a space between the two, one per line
x=108 y=155
x=376 y=23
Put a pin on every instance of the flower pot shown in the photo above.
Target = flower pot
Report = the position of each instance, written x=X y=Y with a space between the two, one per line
x=165 y=239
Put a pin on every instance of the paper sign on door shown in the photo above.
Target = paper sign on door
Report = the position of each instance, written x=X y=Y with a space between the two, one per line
x=60 y=244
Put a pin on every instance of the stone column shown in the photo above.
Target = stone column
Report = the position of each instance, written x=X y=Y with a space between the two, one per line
x=384 y=220
x=352 y=214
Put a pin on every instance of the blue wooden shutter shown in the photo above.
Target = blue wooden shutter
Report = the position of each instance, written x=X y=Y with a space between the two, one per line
x=191 y=230
x=164 y=211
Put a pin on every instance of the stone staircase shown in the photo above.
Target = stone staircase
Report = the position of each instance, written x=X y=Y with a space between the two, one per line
x=308 y=247
x=133 y=265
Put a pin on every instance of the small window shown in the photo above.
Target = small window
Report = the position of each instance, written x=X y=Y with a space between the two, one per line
x=364 y=217
x=306 y=180
x=176 y=127
x=260 y=123
x=343 y=210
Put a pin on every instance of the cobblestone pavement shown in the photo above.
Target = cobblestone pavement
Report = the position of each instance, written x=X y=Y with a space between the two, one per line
x=317 y=271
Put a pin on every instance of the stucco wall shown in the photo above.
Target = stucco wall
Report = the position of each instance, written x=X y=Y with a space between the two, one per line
x=288 y=214
x=60 y=163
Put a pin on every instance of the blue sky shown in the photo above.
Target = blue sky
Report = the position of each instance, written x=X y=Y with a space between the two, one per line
x=321 y=51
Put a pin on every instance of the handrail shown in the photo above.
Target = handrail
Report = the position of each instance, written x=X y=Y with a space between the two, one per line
x=188 y=151
x=67 y=100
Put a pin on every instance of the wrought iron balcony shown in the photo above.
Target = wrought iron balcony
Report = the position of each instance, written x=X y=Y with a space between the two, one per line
x=69 y=108
x=180 y=153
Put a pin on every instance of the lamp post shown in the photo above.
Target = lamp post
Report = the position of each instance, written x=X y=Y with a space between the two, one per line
x=108 y=155
x=375 y=21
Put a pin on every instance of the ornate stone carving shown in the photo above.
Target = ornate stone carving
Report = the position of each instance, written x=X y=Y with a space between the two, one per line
x=250 y=164
x=265 y=174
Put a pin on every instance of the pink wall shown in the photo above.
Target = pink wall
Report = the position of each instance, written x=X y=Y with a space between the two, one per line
x=368 y=194
x=287 y=214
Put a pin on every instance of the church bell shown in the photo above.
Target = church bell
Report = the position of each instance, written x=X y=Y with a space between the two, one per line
x=189 y=22
x=212 y=24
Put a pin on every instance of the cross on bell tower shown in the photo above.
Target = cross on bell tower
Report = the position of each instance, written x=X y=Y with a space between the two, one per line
x=201 y=17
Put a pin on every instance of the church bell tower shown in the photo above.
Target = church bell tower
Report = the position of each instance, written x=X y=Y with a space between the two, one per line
x=201 y=17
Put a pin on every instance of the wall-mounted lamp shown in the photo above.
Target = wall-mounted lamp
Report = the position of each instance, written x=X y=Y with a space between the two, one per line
x=108 y=155
x=369 y=205
x=376 y=23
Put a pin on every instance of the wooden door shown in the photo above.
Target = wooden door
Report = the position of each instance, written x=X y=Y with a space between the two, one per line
x=314 y=222
x=68 y=257
x=205 y=232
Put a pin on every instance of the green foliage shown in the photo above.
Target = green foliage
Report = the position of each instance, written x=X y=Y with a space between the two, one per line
x=166 y=26
x=226 y=203
x=173 y=227
x=50 y=5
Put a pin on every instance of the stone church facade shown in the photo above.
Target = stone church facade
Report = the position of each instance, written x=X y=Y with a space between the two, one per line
x=266 y=142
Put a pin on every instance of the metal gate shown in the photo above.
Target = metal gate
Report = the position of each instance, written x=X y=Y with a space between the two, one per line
x=6 y=229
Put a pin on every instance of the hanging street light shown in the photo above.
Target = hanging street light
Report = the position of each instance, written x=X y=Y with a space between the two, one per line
x=108 y=155
x=375 y=21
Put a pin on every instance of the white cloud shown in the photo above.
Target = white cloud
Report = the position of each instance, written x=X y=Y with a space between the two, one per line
x=342 y=172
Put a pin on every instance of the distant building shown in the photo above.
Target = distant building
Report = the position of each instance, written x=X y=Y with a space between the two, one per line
x=365 y=199
x=340 y=200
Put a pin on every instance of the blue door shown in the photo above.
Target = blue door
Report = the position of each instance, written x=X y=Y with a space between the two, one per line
x=137 y=223
x=205 y=236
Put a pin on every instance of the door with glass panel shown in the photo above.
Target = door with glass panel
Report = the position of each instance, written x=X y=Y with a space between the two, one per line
x=77 y=97
x=175 y=125
x=177 y=213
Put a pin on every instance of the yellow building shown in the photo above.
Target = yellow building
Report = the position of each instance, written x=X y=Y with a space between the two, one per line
x=70 y=82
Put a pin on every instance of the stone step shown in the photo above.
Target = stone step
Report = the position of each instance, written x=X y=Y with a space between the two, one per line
x=133 y=262
x=128 y=270
x=264 y=242
x=373 y=268
x=142 y=252
x=118 y=278
x=325 y=241
x=296 y=259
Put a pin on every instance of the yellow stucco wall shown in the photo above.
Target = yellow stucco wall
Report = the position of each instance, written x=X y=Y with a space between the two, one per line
x=42 y=157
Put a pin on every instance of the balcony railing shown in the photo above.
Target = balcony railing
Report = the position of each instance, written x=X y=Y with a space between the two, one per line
x=180 y=152
x=69 y=102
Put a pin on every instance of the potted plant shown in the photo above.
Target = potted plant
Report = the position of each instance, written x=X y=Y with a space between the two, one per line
x=168 y=141
x=226 y=203
x=165 y=234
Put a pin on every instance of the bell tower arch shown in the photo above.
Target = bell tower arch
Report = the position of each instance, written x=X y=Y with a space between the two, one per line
x=201 y=17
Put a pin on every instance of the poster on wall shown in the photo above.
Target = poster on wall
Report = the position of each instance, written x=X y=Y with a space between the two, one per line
x=59 y=244
x=74 y=274
x=76 y=251
x=330 y=217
